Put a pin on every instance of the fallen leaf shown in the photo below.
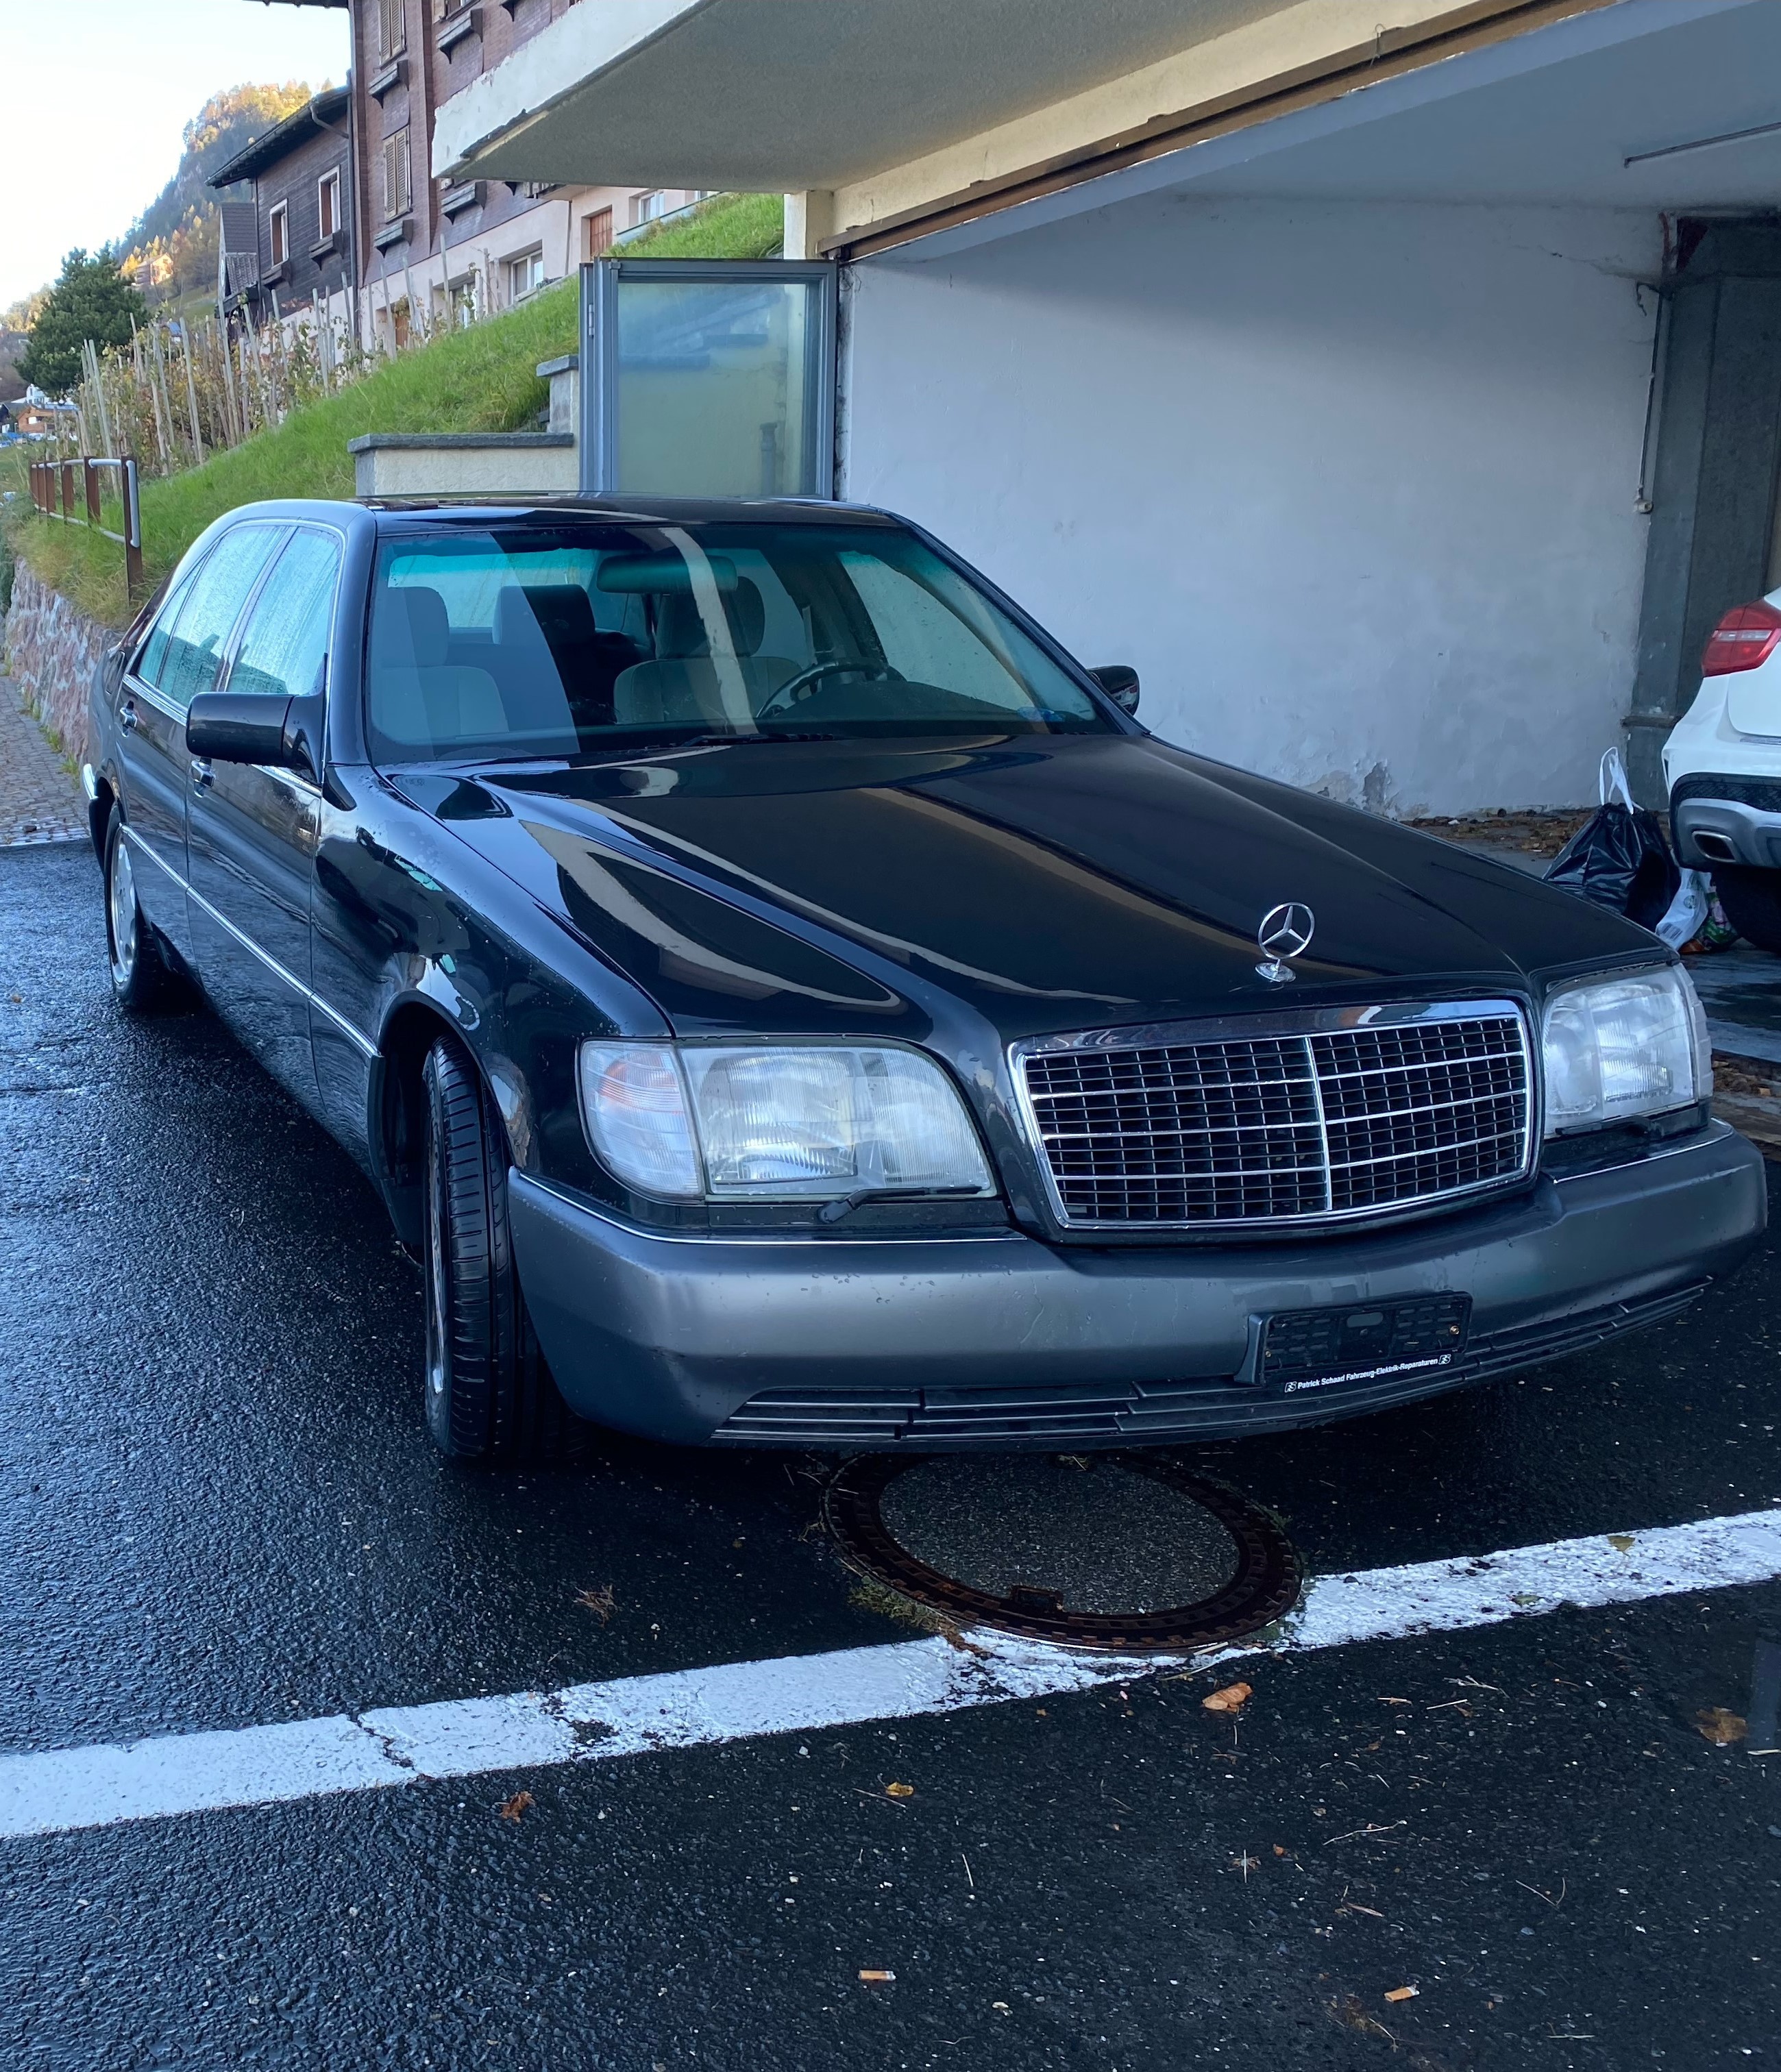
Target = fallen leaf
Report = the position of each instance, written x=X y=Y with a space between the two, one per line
x=515 y=1807
x=1232 y=1698
x=600 y=1602
x=1278 y=1850
x=876 y=1978
x=1403 y=1992
x=1622 y=1542
x=1719 y=1726
x=899 y=1792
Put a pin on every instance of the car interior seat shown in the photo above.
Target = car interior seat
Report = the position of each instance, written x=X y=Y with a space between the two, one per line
x=546 y=642
x=682 y=686
x=419 y=695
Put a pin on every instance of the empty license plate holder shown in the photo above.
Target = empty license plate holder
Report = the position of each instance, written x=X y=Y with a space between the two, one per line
x=1300 y=1352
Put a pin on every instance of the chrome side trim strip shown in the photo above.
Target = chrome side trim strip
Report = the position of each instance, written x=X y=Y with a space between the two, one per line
x=1715 y=1133
x=360 y=1041
x=582 y=1207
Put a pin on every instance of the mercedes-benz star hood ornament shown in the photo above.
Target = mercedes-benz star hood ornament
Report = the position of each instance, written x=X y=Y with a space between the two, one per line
x=1285 y=931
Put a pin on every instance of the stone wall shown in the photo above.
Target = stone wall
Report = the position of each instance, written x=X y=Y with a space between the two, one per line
x=52 y=652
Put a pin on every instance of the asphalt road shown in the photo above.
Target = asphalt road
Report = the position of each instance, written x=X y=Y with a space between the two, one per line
x=220 y=1509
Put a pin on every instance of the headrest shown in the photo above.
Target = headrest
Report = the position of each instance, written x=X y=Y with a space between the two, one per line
x=565 y=612
x=680 y=630
x=515 y=622
x=413 y=629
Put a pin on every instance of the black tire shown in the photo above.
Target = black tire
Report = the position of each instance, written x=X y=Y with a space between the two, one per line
x=489 y=1394
x=1752 y=901
x=142 y=978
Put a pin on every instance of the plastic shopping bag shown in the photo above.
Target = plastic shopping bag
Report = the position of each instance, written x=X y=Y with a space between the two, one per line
x=1687 y=913
x=1619 y=859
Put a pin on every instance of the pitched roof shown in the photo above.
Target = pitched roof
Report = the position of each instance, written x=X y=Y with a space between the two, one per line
x=283 y=137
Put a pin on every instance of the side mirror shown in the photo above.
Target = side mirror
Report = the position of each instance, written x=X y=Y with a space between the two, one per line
x=1118 y=680
x=239 y=726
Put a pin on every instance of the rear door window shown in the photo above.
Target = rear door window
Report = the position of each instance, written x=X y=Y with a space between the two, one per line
x=284 y=647
x=151 y=657
x=212 y=603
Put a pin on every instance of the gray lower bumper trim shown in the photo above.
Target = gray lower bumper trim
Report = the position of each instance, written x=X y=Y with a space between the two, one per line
x=693 y=1342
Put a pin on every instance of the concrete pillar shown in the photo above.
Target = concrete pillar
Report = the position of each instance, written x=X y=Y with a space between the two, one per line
x=809 y=218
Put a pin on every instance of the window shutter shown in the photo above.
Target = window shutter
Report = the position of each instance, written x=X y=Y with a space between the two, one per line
x=396 y=174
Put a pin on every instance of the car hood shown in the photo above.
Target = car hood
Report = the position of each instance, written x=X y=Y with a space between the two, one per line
x=1048 y=883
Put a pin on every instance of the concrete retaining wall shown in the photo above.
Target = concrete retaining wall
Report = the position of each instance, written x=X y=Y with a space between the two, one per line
x=51 y=651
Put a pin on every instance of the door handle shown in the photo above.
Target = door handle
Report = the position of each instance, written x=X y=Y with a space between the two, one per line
x=126 y=716
x=201 y=777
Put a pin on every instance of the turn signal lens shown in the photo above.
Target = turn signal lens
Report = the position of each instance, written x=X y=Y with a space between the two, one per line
x=1743 y=639
x=633 y=1107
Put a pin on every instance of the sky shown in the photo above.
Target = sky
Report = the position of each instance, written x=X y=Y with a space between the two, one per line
x=94 y=94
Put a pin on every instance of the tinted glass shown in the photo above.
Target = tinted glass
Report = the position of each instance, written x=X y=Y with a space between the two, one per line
x=562 y=643
x=212 y=604
x=284 y=646
x=151 y=661
x=716 y=387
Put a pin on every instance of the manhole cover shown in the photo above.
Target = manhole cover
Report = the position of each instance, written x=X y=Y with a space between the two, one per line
x=1122 y=1552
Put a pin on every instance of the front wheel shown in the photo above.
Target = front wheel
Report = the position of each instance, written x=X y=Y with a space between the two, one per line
x=489 y=1394
x=141 y=979
x=1752 y=901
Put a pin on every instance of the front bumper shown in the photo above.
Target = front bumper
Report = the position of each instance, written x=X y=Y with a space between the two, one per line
x=1003 y=1341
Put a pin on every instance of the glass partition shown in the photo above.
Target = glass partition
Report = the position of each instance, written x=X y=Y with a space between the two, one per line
x=709 y=378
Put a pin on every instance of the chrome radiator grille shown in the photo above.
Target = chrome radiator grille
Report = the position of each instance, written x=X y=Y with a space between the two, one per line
x=1356 y=1113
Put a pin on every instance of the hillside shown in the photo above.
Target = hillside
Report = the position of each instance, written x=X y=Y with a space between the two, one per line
x=170 y=250
x=483 y=380
x=478 y=380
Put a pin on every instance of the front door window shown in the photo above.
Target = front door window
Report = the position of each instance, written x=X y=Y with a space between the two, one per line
x=213 y=602
x=283 y=652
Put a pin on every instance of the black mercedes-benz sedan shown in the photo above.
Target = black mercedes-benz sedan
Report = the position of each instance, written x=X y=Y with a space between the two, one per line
x=784 y=998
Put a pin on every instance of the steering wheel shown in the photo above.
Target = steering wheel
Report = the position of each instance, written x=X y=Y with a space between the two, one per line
x=878 y=672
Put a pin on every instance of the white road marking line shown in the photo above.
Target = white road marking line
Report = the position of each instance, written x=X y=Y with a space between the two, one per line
x=58 y=1790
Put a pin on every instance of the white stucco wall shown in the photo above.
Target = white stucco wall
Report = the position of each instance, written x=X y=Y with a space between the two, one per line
x=1352 y=485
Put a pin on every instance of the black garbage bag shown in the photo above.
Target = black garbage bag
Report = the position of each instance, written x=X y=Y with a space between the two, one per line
x=1619 y=858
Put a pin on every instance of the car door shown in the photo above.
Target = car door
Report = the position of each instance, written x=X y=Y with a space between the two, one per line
x=151 y=755
x=180 y=658
x=254 y=829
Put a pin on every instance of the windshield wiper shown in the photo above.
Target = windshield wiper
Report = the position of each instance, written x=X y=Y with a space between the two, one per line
x=740 y=740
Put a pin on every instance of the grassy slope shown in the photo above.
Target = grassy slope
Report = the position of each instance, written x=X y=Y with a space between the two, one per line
x=742 y=226
x=476 y=380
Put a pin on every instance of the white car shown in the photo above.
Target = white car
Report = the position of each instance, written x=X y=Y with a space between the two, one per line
x=1722 y=768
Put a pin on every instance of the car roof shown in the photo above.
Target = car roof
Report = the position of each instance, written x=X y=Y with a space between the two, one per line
x=399 y=513
x=421 y=513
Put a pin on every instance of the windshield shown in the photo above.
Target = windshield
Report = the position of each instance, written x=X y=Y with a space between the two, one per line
x=530 y=644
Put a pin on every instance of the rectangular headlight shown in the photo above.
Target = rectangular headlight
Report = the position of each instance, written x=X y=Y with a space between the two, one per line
x=776 y=1122
x=1615 y=1049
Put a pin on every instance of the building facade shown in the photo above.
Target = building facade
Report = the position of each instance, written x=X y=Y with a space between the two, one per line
x=292 y=256
x=436 y=250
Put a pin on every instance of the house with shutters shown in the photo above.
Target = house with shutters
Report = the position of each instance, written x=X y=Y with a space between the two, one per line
x=290 y=254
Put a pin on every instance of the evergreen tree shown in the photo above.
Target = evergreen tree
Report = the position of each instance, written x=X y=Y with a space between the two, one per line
x=91 y=300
